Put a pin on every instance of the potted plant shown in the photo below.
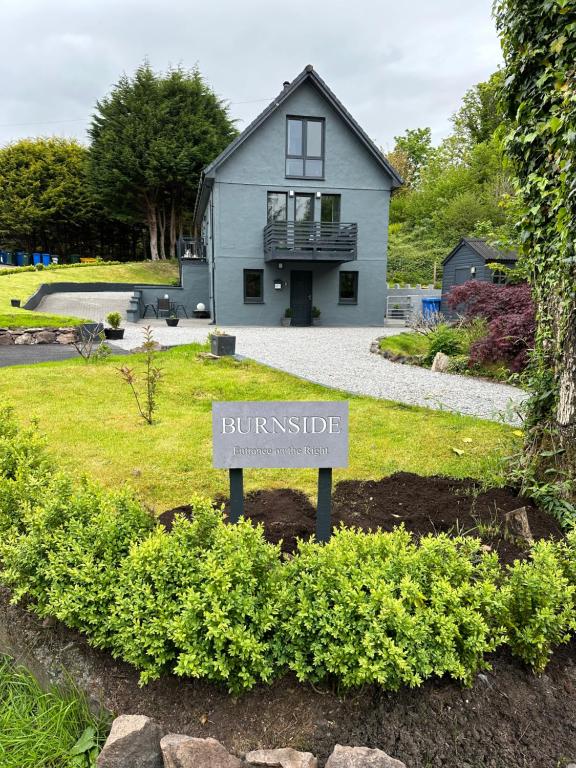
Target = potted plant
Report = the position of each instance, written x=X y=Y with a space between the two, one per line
x=114 y=332
x=316 y=316
x=222 y=343
x=172 y=320
x=15 y=302
x=287 y=319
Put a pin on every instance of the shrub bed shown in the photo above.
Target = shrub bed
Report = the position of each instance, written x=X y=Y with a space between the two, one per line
x=214 y=601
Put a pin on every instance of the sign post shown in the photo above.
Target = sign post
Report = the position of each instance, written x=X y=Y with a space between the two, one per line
x=272 y=434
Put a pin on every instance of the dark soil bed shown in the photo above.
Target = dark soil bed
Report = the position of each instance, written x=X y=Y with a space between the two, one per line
x=509 y=718
x=423 y=504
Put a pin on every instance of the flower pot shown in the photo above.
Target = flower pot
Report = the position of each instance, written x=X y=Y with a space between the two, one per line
x=315 y=321
x=114 y=333
x=286 y=321
x=15 y=302
x=172 y=321
x=222 y=345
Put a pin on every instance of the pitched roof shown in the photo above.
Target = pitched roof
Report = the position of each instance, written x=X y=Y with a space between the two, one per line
x=485 y=251
x=310 y=75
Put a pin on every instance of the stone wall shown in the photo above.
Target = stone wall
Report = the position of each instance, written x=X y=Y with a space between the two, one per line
x=39 y=335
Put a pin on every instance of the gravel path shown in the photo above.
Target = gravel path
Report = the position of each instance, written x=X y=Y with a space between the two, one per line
x=341 y=358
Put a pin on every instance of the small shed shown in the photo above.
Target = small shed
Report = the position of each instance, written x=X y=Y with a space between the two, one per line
x=468 y=261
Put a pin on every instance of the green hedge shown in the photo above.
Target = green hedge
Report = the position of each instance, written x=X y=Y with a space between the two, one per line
x=217 y=602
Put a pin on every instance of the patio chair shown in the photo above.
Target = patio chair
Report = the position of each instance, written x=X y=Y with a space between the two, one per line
x=182 y=307
x=147 y=307
x=163 y=307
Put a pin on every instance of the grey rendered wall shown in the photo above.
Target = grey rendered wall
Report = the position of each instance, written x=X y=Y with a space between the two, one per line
x=194 y=288
x=239 y=198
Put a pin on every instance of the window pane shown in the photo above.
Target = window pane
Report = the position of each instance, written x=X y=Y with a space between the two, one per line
x=304 y=208
x=294 y=137
x=314 y=168
x=277 y=206
x=349 y=286
x=294 y=167
x=253 y=284
x=313 y=138
x=330 y=208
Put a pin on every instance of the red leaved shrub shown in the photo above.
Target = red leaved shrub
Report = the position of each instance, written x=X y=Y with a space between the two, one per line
x=509 y=311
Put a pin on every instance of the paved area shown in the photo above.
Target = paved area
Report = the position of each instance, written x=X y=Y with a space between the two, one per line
x=89 y=305
x=341 y=358
x=24 y=354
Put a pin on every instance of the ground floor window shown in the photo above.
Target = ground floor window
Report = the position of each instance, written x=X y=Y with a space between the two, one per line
x=348 y=288
x=253 y=286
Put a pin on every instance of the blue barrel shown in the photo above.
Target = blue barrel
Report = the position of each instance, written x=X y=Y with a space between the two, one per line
x=46 y=259
x=37 y=258
x=430 y=306
x=20 y=258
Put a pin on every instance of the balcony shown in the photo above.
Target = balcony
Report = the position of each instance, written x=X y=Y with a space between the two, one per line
x=310 y=241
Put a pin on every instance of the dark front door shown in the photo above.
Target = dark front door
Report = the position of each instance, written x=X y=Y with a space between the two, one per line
x=301 y=297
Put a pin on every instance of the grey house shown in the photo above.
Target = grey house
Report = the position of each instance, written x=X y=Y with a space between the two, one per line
x=294 y=214
x=468 y=261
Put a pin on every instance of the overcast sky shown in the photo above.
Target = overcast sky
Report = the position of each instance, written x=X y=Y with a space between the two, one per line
x=395 y=64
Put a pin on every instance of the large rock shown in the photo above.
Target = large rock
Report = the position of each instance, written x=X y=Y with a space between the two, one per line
x=134 y=742
x=361 y=757
x=281 y=758
x=45 y=337
x=188 y=752
x=441 y=362
x=517 y=524
x=6 y=339
x=66 y=338
x=25 y=338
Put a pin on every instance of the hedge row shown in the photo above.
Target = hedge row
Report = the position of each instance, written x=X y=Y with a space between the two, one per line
x=214 y=601
x=53 y=267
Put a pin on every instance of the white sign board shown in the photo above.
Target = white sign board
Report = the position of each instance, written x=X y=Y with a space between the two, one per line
x=280 y=434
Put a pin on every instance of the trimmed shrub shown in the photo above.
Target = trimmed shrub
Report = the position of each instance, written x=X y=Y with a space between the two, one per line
x=379 y=608
x=538 y=604
x=65 y=552
x=201 y=599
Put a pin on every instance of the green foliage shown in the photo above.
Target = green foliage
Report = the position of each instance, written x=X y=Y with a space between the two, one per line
x=151 y=138
x=539 y=45
x=538 y=605
x=405 y=344
x=145 y=400
x=482 y=112
x=413 y=257
x=379 y=608
x=216 y=602
x=41 y=729
x=444 y=339
x=64 y=548
x=204 y=603
x=44 y=188
x=114 y=319
x=410 y=154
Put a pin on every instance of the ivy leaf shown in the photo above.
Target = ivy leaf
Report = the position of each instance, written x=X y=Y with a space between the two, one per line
x=555 y=123
x=558 y=44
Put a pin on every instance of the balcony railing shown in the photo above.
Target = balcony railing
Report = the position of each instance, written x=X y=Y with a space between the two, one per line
x=310 y=241
x=191 y=248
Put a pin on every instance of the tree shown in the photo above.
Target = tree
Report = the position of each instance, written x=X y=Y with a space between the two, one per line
x=411 y=152
x=481 y=113
x=539 y=45
x=151 y=137
x=44 y=202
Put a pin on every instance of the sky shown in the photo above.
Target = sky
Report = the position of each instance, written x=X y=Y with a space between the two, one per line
x=394 y=64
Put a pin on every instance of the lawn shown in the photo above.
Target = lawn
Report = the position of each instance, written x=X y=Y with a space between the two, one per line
x=405 y=344
x=89 y=417
x=22 y=285
x=44 y=729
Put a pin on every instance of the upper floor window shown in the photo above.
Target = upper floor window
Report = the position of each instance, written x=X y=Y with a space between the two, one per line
x=305 y=147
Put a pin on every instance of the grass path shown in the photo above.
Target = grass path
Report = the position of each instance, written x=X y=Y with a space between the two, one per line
x=90 y=419
x=22 y=285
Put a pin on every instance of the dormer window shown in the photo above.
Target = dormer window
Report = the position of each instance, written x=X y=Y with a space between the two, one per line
x=305 y=147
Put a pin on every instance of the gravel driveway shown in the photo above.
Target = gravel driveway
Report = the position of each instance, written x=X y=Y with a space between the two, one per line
x=341 y=358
